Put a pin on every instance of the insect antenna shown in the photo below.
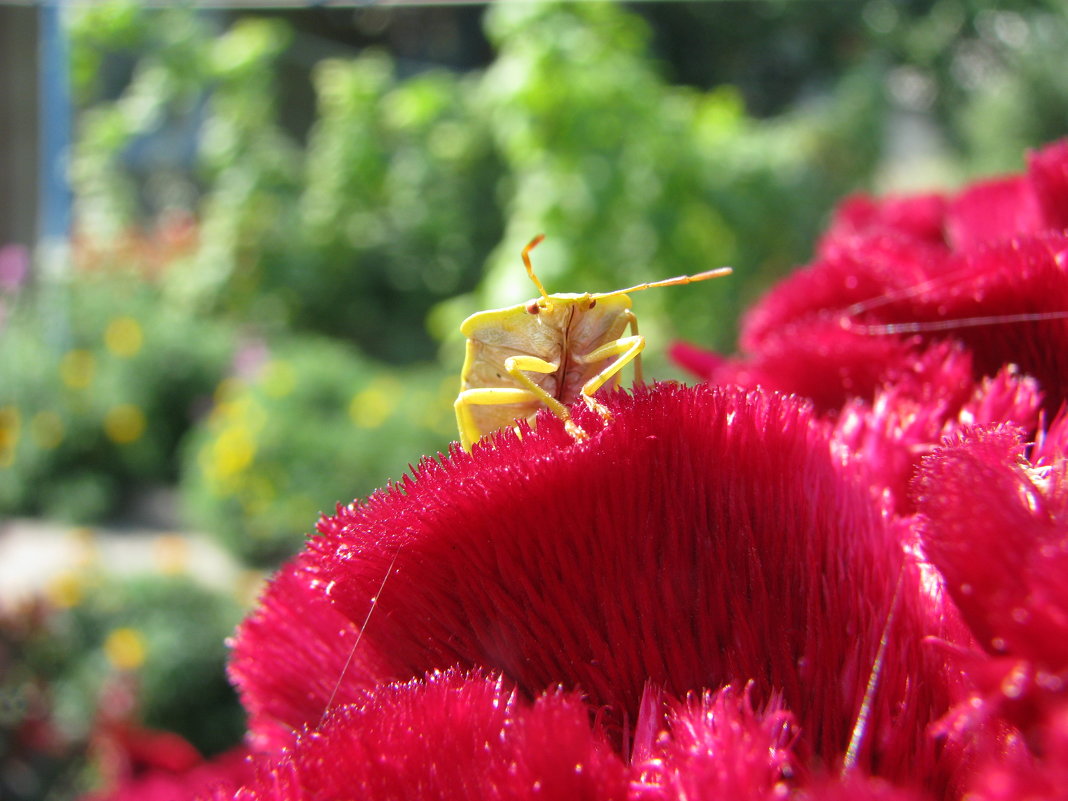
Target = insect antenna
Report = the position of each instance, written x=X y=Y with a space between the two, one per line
x=530 y=267
x=678 y=280
x=356 y=644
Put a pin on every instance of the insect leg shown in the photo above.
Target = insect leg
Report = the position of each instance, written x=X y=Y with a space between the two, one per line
x=626 y=348
x=516 y=365
x=470 y=433
x=632 y=320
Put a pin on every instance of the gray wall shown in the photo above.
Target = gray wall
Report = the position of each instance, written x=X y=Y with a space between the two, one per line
x=18 y=124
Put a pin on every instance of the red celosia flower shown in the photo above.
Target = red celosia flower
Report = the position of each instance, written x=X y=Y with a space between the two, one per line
x=909 y=305
x=295 y=625
x=988 y=269
x=995 y=523
x=560 y=619
x=451 y=736
x=915 y=411
x=997 y=528
x=718 y=746
x=702 y=538
x=457 y=736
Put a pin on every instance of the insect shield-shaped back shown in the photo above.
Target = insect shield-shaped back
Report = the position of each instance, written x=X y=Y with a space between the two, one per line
x=549 y=351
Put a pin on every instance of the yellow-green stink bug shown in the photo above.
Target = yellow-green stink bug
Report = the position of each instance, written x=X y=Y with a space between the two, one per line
x=548 y=351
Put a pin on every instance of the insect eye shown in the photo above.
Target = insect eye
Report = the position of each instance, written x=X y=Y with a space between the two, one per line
x=593 y=302
x=533 y=307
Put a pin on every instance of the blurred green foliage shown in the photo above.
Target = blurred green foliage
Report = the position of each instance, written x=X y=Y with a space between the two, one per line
x=310 y=423
x=164 y=634
x=990 y=73
x=110 y=656
x=409 y=190
x=93 y=406
x=389 y=209
x=397 y=209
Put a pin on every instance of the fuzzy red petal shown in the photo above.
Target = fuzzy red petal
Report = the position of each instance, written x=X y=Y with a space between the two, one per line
x=917 y=217
x=918 y=409
x=850 y=273
x=1005 y=284
x=991 y=210
x=997 y=528
x=859 y=788
x=289 y=657
x=1043 y=775
x=823 y=362
x=1006 y=303
x=717 y=746
x=450 y=736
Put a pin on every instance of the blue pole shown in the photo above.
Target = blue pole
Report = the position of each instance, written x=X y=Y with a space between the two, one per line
x=54 y=192
x=54 y=121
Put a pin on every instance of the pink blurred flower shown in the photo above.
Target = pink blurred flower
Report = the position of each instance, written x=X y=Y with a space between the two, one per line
x=251 y=355
x=14 y=267
x=223 y=775
x=139 y=764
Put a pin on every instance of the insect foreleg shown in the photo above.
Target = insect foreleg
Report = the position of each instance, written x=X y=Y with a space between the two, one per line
x=627 y=349
x=517 y=365
x=470 y=433
x=632 y=320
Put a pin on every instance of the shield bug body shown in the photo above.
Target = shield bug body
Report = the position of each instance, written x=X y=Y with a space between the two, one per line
x=549 y=351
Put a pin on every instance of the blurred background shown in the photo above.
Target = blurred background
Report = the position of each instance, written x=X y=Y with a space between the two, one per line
x=237 y=240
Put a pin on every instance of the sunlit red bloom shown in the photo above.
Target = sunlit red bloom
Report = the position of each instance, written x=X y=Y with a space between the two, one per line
x=450 y=736
x=915 y=411
x=702 y=538
x=987 y=268
x=296 y=626
x=934 y=328
x=995 y=523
